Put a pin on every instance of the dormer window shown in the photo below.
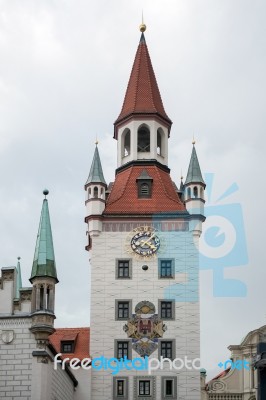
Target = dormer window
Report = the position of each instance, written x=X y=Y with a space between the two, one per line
x=144 y=182
x=67 y=346
x=68 y=343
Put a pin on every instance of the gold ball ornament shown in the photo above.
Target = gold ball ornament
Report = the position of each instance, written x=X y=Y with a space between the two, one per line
x=142 y=28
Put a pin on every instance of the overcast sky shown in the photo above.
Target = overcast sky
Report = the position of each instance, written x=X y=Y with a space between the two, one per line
x=64 y=67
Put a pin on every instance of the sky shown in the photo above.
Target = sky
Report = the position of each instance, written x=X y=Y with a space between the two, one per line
x=64 y=67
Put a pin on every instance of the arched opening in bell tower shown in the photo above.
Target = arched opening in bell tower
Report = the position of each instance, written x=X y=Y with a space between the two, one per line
x=144 y=141
x=160 y=142
x=126 y=142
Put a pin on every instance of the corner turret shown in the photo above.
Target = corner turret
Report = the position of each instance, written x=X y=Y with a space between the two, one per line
x=194 y=193
x=43 y=278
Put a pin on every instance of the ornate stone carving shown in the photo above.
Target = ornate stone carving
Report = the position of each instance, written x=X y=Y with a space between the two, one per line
x=8 y=336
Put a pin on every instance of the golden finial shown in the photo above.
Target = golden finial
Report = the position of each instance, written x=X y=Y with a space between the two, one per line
x=142 y=27
x=96 y=141
x=193 y=141
x=182 y=175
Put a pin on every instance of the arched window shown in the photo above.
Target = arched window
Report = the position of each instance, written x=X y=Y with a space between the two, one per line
x=189 y=193
x=195 y=192
x=126 y=142
x=42 y=298
x=95 y=192
x=160 y=141
x=89 y=193
x=143 y=139
x=201 y=193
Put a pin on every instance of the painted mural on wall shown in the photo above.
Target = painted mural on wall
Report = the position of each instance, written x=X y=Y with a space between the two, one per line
x=145 y=328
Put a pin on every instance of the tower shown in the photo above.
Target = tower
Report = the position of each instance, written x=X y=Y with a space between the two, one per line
x=43 y=279
x=143 y=241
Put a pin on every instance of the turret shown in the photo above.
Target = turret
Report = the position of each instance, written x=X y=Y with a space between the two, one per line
x=194 y=187
x=95 y=188
x=43 y=279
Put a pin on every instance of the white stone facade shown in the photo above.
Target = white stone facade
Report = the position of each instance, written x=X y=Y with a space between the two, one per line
x=145 y=285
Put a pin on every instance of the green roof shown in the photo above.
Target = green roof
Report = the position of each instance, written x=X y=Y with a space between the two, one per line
x=96 y=171
x=194 y=173
x=19 y=280
x=44 y=259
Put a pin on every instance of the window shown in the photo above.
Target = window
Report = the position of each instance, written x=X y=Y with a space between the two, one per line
x=195 y=192
x=127 y=143
x=120 y=387
x=144 y=388
x=166 y=268
x=123 y=269
x=95 y=192
x=144 y=190
x=167 y=349
x=169 y=387
x=144 y=182
x=166 y=309
x=123 y=349
x=67 y=347
x=160 y=142
x=143 y=139
x=123 y=309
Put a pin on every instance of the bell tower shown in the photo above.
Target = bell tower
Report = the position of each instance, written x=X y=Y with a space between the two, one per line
x=143 y=242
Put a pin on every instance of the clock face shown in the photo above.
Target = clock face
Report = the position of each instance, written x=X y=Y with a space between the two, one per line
x=144 y=242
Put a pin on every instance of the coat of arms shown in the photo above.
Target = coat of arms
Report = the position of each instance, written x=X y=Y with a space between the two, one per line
x=144 y=328
x=7 y=336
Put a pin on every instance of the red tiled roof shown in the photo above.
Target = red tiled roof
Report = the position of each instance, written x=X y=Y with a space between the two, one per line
x=82 y=344
x=124 y=194
x=142 y=95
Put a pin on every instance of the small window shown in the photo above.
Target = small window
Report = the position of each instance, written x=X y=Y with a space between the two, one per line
x=67 y=347
x=122 y=349
x=166 y=349
x=195 y=192
x=144 y=388
x=95 y=192
x=169 y=387
x=144 y=190
x=166 y=308
x=123 y=269
x=123 y=309
x=166 y=268
x=120 y=388
x=189 y=193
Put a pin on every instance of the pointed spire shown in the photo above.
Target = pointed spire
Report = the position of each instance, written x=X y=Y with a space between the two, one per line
x=194 y=173
x=19 y=280
x=44 y=259
x=96 y=171
x=142 y=96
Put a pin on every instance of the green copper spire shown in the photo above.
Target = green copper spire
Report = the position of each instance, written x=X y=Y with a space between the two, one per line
x=96 y=171
x=44 y=259
x=194 y=173
x=19 y=280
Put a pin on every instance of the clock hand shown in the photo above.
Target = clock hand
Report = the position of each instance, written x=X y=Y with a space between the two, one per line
x=143 y=244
